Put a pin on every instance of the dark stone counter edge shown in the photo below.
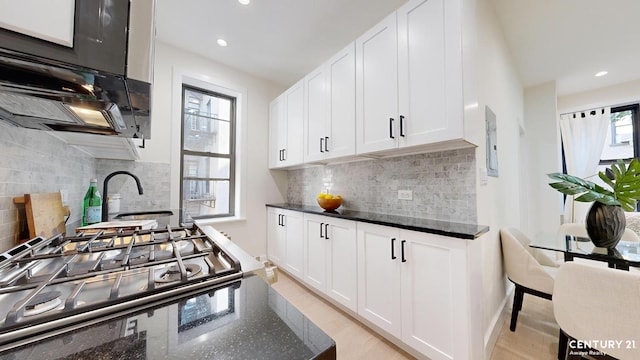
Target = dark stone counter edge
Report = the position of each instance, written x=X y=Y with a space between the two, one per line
x=438 y=227
x=329 y=353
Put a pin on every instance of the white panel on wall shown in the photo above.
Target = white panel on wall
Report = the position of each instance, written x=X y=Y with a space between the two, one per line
x=51 y=20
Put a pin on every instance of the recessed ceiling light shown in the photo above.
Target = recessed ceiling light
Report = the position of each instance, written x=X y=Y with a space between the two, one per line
x=601 y=73
x=244 y=2
x=222 y=42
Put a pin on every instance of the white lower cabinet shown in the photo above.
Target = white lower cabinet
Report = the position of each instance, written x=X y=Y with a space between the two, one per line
x=285 y=240
x=424 y=290
x=330 y=251
x=378 y=276
x=414 y=286
x=276 y=236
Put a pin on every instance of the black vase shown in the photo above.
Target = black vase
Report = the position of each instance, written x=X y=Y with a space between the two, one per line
x=605 y=224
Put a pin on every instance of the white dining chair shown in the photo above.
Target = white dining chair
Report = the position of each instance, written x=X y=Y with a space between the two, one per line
x=530 y=270
x=594 y=303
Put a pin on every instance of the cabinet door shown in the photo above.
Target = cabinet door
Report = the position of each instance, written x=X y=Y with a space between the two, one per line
x=315 y=252
x=275 y=236
x=424 y=88
x=294 y=255
x=49 y=21
x=432 y=274
x=377 y=87
x=315 y=115
x=277 y=132
x=341 y=78
x=294 y=105
x=379 y=276
x=342 y=270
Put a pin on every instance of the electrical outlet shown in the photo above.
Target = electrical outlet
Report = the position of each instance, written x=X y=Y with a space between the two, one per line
x=405 y=195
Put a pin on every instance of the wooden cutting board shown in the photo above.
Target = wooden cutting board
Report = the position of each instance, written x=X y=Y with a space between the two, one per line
x=45 y=214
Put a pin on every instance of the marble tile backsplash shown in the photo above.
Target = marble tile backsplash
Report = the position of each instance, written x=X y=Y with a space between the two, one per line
x=154 y=177
x=443 y=185
x=33 y=161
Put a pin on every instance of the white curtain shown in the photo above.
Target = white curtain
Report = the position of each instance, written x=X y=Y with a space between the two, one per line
x=583 y=136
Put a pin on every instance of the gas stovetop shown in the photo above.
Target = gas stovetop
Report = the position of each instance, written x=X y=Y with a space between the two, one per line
x=47 y=284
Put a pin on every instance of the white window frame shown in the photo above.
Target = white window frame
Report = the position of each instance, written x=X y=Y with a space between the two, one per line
x=206 y=82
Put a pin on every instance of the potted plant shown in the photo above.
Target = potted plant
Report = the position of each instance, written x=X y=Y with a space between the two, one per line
x=605 y=221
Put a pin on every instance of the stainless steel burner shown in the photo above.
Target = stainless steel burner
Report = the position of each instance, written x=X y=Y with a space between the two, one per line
x=134 y=255
x=42 y=302
x=173 y=273
x=93 y=281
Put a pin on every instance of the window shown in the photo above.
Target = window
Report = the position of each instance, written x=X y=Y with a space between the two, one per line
x=208 y=154
x=622 y=137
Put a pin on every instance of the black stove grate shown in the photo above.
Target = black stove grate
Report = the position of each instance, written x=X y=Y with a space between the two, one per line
x=151 y=262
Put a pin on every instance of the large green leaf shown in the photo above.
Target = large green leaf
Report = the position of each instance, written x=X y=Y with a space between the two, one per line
x=588 y=191
x=606 y=179
x=624 y=181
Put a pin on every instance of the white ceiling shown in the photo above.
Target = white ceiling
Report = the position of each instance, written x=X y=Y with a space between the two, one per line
x=570 y=40
x=279 y=40
x=282 y=40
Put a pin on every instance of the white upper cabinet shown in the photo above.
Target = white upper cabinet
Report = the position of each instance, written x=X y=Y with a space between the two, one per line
x=286 y=128
x=277 y=131
x=407 y=85
x=316 y=128
x=295 y=112
x=51 y=20
x=429 y=88
x=377 y=87
x=417 y=102
x=341 y=79
x=330 y=108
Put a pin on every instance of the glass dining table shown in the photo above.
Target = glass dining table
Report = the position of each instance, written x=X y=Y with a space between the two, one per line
x=624 y=255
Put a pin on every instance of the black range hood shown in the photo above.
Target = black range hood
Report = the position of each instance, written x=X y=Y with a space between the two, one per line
x=97 y=80
x=43 y=94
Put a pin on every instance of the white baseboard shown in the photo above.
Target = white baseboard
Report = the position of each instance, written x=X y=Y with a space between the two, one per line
x=495 y=326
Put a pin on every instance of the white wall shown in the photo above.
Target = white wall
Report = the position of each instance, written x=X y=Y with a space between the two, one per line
x=543 y=140
x=620 y=94
x=499 y=205
x=172 y=64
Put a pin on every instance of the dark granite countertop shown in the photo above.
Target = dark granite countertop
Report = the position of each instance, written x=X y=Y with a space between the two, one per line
x=440 y=227
x=245 y=319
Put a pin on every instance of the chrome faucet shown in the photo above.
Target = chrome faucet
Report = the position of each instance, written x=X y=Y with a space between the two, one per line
x=105 y=189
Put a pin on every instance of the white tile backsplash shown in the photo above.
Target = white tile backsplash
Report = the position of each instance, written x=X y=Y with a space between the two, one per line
x=32 y=161
x=154 y=177
x=443 y=185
